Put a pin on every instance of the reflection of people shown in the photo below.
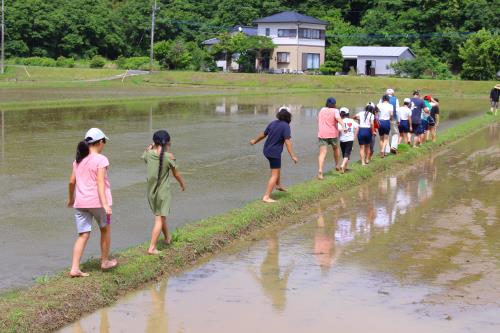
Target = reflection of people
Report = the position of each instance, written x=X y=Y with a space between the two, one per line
x=270 y=279
x=90 y=195
x=278 y=133
x=160 y=163
x=494 y=97
x=328 y=133
x=158 y=320
x=325 y=252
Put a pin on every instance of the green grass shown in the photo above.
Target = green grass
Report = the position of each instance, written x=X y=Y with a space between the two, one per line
x=71 y=84
x=61 y=300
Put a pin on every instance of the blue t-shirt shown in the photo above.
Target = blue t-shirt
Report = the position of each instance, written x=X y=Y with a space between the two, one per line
x=277 y=132
x=416 y=110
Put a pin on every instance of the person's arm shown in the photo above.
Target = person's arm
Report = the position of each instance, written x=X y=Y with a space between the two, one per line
x=340 y=121
x=101 y=173
x=437 y=119
x=372 y=124
x=258 y=139
x=288 y=144
x=180 y=180
x=71 y=190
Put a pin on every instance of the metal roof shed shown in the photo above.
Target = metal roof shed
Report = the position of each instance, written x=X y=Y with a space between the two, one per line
x=374 y=60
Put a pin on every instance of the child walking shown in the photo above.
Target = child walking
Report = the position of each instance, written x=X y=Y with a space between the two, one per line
x=366 y=120
x=159 y=163
x=347 y=137
x=278 y=133
x=404 y=122
x=90 y=195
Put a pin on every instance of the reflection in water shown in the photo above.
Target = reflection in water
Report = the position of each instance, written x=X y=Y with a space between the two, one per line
x=158 y=319
x=2 y=156
x=270 y=279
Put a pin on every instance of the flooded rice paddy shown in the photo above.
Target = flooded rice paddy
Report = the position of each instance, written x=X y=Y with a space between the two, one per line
x=413 y=251
x=209 y=138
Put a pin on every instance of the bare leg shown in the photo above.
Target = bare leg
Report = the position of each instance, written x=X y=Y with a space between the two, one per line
x=321 y=160
x=368 y=153
x=336 y=157
x=78 y=248
x=105 y=246
x=383 y=144
x=155 y=234
x=275 y=175
x=362 y=154
x=164 y=229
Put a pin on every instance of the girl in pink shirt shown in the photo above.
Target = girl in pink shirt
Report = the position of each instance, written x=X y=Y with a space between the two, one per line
x=90 y=195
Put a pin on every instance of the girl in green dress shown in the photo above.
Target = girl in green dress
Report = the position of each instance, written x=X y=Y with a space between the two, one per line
x=160 y=162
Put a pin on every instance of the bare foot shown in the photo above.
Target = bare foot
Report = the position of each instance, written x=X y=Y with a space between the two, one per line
x=337 y=168
x=153 y=252
x=280 y=188
x=342 y=170
x=109 y=264
x=320 y=175
x=79 y=273
x=268 y=200
x=167 y=241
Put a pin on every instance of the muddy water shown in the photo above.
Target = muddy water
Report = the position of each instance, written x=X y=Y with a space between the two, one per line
x=210 y=138
x=416 y=251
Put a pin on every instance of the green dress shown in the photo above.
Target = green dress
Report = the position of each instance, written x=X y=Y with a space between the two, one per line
x=159 y=198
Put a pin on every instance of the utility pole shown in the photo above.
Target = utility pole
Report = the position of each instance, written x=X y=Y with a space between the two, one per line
x=2 y=57
x=151 y=51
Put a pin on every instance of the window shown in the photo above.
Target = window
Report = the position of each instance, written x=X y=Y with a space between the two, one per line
x=312 y=33
x=287 y=32
x=311 y=61
x=283 y=57
x=268 y=32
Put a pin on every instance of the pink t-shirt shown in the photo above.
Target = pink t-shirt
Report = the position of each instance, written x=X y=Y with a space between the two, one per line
x=327 y=123
x=86 y=195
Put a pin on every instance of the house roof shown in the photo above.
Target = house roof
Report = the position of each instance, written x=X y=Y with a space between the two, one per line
x=290 y=17
x=374 y=51
x=249 y=31
x=211 y=41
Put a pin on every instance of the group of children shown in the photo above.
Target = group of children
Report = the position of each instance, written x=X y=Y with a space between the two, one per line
x=89 y=187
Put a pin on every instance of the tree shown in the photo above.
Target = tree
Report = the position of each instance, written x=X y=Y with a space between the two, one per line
x=172 y=54
x=333 y=61
x=423 y=65
x=481 y=56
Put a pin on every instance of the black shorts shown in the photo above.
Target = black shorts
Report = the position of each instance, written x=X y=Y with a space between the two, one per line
x=346 y=148
x=274 y=162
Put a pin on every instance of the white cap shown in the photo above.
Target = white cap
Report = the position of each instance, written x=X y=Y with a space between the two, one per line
x=344 y=109
x=407 y=100
x=389 y=91
x=94 y=135
x=284 y=107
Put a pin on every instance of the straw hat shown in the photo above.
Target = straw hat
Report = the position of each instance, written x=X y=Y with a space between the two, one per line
x=497 y=86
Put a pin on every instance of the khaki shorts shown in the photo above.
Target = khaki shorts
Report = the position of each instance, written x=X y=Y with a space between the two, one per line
x=328 y=142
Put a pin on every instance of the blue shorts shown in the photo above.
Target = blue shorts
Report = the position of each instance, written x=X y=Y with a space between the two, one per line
x=417 y=129
x=274 y=162
x=385 y=127
x=365 y=136
x=425 y=126
x=404 y=126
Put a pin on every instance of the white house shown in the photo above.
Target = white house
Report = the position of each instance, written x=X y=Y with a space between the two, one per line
x=299 y=40
x=374 y=60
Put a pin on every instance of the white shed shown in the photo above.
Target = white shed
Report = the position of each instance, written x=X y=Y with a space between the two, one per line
x=374 y=60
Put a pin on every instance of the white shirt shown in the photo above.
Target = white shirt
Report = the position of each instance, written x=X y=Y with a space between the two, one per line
x=369 y=118
x=386 y=110
x=351 y=126
x=404 y=113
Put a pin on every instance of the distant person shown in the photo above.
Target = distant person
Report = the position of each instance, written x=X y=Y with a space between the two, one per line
x=434 y=117
x=427 y=120
x=417 y=107
x=385 y=118
x=347 y=137
x=328 y=133
x=394 y=101
x=90 y=195
x=404 y=123
x=278 y=134
x=366 y=120
x=376 y=126
x=159 y=164
x=494 y=97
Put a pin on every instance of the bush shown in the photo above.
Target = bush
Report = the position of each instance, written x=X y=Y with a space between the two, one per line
x=423 y=66
x=38 y=61
x=65 y=62
x=481 y=56
x=329 y=68
x=141 y=63
x=97 y=62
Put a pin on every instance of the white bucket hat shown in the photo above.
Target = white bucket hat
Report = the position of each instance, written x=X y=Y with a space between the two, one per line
x=389 y=91
x=94 y=135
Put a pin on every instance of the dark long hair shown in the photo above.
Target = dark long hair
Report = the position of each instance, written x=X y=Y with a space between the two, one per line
x=369 y=109
x=83 y=148
x=160 y=138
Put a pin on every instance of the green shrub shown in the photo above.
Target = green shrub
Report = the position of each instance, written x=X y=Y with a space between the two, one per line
x=38 y=61
x=65 y=62
x=329 y=68
x=97 y=62
x=141 y=63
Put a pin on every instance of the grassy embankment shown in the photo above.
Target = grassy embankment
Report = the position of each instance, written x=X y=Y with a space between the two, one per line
x=59 y=300
x=74 y=85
